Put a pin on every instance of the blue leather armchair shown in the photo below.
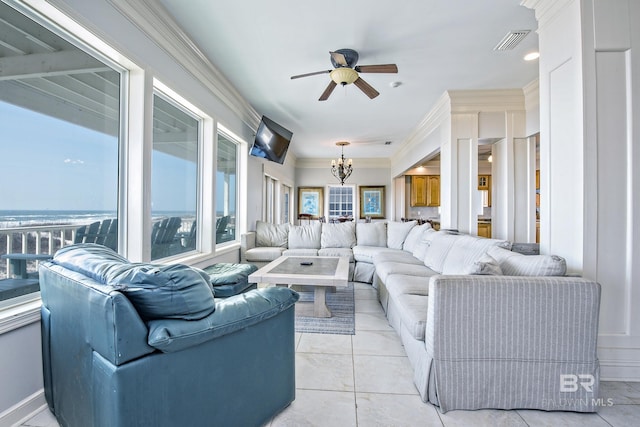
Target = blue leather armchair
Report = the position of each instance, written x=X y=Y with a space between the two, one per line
x=146 y=345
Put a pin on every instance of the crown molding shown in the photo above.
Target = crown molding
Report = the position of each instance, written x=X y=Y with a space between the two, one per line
x=485 y=101
x=152 y=19
x=545 y=10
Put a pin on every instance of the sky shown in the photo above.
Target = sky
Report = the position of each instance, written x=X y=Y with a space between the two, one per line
x=48 y=163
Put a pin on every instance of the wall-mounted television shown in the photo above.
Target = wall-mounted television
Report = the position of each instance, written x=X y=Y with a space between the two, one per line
x=271 y=142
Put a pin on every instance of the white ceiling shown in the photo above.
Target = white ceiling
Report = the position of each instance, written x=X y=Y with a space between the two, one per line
x=438 y=45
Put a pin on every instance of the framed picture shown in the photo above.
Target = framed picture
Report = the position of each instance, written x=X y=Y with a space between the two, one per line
x=310 y=201
x=372 y=202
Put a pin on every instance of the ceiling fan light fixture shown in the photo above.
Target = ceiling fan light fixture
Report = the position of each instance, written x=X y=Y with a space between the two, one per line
x=344 y=75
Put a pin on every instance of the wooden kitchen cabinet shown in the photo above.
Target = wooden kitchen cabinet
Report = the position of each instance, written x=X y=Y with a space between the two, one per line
x=484 y=229
x=425 y=190
x=484 y=184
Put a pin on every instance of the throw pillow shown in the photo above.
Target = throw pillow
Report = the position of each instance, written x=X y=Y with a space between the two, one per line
x=414 y=237
x=486 y=265
x=166 y=292
x=516 y=264
x=466 y=250
x=441 y=244
x=341 y=235
x=371 y=234
x=420 y=249
x=305 y=236
x=272 y=235
x=397 y=233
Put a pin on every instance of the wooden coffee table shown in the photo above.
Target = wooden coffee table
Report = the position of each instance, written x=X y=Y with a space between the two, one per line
x=322 y=273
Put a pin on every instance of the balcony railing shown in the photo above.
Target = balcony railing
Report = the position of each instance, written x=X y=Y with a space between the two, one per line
x=44 y=239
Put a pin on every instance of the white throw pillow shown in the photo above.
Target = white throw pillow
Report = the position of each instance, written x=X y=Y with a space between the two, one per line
x=341 y=235
x=272 y=235
x=371 y=234
x=305 y=236
x=486 y=265
x=420 y=249
x=516 y=264
x=414 y=237
x=441 y=244
x=397 y=232
x=466 y=250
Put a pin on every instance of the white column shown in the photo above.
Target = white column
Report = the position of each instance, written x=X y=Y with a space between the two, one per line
x=590 y=174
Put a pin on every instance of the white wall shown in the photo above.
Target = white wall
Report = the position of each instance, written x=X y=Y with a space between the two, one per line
x=317 y=173
x=590 y=162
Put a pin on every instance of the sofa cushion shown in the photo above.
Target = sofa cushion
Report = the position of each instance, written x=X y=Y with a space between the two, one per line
x=341 y=252
x=516 y=264
x=384 y=269
x=397 y=232
x=398 y=284
x=371 y=234
x=272 y=235
x=368 y=253
x=394 y=255
x=486 y=266
x=341 y=235
x=300 y=252
x=234 y=314
x=414 y=236
x=305 y=236
x=440 y=243
x=263 y=254
x=413 y=313
x=156 y=291
x=466 y=250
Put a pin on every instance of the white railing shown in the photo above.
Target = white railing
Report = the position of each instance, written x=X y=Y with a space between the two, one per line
x=44 y=239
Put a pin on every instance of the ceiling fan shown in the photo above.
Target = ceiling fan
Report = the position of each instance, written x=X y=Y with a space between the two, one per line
x=346 y=72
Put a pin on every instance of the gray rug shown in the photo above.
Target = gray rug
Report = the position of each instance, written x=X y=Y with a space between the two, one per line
x=341 y=304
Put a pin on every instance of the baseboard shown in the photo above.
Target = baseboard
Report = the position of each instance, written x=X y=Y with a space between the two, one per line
x=22 y=411
x=615 y=370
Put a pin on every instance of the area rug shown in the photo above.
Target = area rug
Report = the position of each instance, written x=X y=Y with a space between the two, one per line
x=341 y=304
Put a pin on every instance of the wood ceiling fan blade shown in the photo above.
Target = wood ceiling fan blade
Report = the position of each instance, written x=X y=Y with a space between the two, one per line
x=327 y=91
x=310 y=74
x=382 y=68
x=339 y=59
x=366 y=88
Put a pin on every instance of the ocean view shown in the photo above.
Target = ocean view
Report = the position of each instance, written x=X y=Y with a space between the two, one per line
x=33 y=218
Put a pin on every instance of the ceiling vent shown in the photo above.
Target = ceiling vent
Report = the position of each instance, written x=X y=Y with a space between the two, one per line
x=511 y=40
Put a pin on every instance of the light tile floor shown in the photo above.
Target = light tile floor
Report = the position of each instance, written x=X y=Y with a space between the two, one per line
x=366 y=380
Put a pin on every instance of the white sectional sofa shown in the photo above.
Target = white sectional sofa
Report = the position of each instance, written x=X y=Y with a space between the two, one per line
x=483 y=327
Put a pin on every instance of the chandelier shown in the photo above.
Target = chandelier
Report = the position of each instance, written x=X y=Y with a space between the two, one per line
x=342 y=170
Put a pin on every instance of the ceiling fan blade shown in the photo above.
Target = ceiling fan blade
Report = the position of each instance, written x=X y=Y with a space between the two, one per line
x=382 y=68
x=327 y=91
x=339 y=59
x=366 y=88
x=310 y=74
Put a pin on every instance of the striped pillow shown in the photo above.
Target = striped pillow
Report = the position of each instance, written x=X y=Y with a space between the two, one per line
x=516 y=264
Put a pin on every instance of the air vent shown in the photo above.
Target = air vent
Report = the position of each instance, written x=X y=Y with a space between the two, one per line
x=511 y=40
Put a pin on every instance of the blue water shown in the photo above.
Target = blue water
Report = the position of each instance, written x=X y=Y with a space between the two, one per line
x=31 y=218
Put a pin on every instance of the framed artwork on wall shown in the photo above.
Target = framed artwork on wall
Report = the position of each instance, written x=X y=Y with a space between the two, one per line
x=372 y=202
x=310 y=201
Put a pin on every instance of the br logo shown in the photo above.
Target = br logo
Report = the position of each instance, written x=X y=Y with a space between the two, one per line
x=570 y=383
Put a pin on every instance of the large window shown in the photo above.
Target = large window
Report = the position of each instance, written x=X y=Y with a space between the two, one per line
x=340 y=202
x=226 y=189
x=60 y=121
x=174 y=179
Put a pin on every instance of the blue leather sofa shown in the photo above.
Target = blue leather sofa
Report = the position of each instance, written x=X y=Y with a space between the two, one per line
x=147 y=345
